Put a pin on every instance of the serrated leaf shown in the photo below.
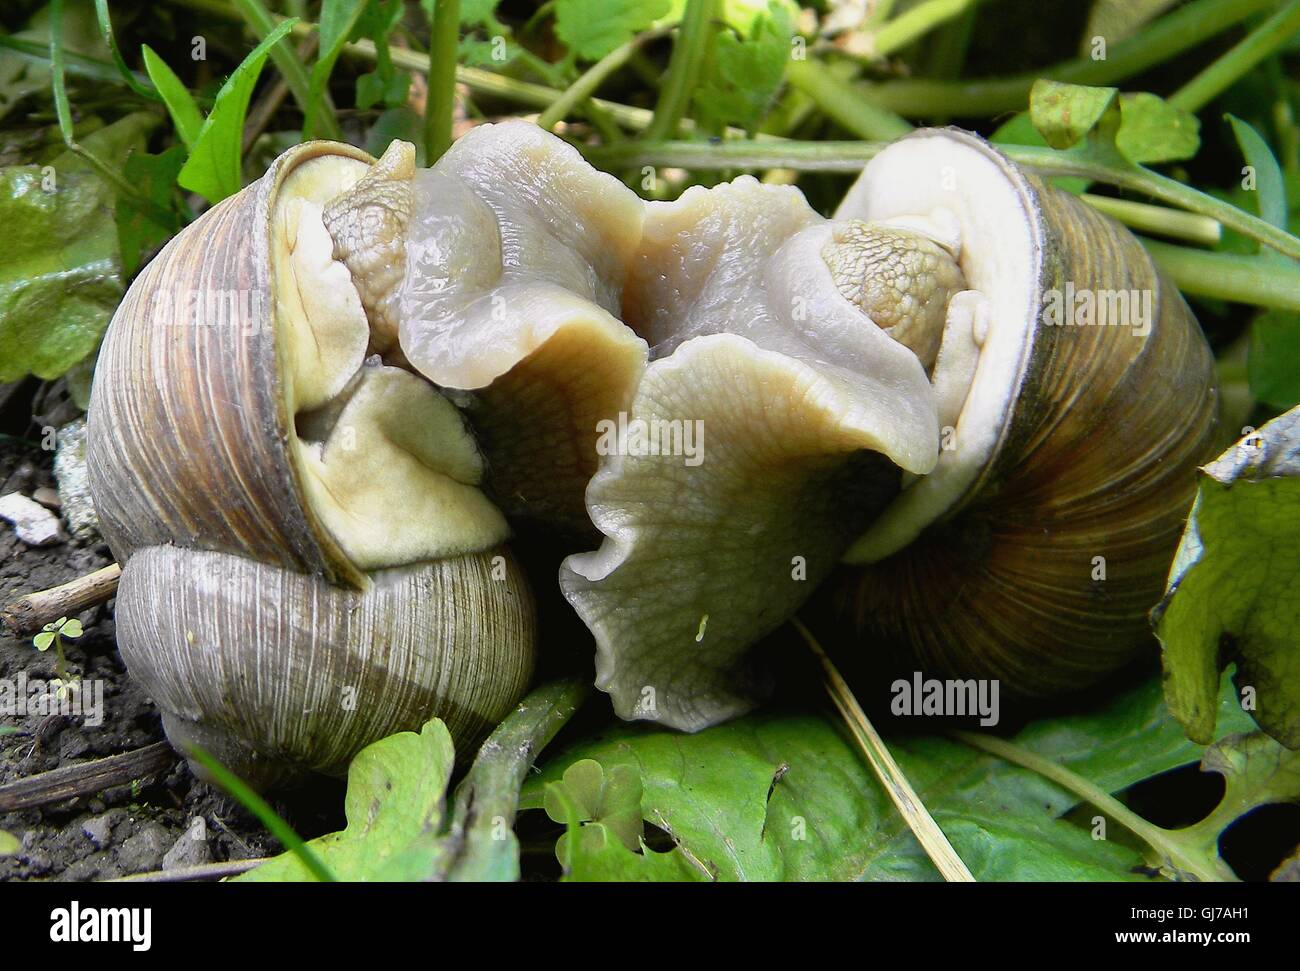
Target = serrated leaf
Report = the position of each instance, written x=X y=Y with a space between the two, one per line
x=1232 y=595
x=213 y=169
x=725 y=797
x=745 y=73
x=593 y=28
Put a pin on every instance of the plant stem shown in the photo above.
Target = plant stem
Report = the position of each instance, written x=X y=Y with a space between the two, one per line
x=442 y=79
x=689 y=51
x=851 y=156
x=899 y=790
x=1261 y=42
x=585 y=86
x=915 y=23
x=261 y=21
x=1229 y=276
x=844 y=102
x=1158 y=219
x=1165 y=843
x=1161 y=40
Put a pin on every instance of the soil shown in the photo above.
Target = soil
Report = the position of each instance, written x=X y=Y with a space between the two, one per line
x=131 y=828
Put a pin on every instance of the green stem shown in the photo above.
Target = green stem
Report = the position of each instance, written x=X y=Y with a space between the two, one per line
x=1161 y=40
x=261 y=21
x=585 y=86
x=844 y=102
x=1261 y=42
x=1165 y=843
x=915 y=23
x=442 y=79
x=851 y=156
x=1158 y=219
x=489 y=795
x=689 y=52
x=1229 y=276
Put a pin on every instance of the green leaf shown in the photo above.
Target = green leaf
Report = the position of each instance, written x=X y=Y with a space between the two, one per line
x=395 y=808
x=1232 y=595
x=478 y=13
x=593 y=28
x=786 y=796
x=338 y=19
x=744 y=74
x=60 y=274
x=71 y=629
x=9 y=843
x=613 y=800
x=43 y=640
x=1273 y=361
x=185 y=114
x=1152 y=130
x=154 y=178
x=592 y=852
x=1064 y=113
x=212 y=169
x=1019 y=130
x=1268 y=174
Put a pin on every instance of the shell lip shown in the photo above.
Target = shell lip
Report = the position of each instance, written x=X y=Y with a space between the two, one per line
x=992 y=401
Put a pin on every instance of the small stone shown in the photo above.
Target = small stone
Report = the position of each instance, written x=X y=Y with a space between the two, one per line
x=74 y=481
x=99 y=829
x=191 y=849
x=144 y=851
x=47 y=497
x=33 y=523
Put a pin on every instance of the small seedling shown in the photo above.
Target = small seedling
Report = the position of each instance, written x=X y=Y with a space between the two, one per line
x=54 y=633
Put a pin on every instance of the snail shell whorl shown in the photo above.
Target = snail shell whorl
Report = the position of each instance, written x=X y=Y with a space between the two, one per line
x=1097 y=459
x=335 y=668
x=245 y=609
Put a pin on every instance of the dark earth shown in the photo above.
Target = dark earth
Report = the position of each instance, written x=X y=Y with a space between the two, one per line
x=142 y=826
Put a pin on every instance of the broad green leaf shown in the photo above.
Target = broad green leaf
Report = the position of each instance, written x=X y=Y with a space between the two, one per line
x=212 y=169
x=60 y=274
x=591 y=852
x=154 y=178
x=71 y=629
x=593 y=28
x=744 y=73
x=786 y=796
x=9 y=843
x=180 y=103
x=1232 y=594
x=1065 y=113
x=1273 y=362
x=395 y=808
x=1152 y=130
x=43 y=640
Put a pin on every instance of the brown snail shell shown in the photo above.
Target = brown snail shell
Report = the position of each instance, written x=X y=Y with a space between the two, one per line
x=294 y=522
x=1041 y=570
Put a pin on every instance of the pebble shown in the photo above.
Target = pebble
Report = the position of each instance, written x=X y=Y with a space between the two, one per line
x=99 y=829
x=190 y=849
x=33 y=523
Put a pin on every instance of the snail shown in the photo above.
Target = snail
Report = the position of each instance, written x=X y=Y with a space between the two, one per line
x=718 y=405
x=309 y=561
x=915 y=404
